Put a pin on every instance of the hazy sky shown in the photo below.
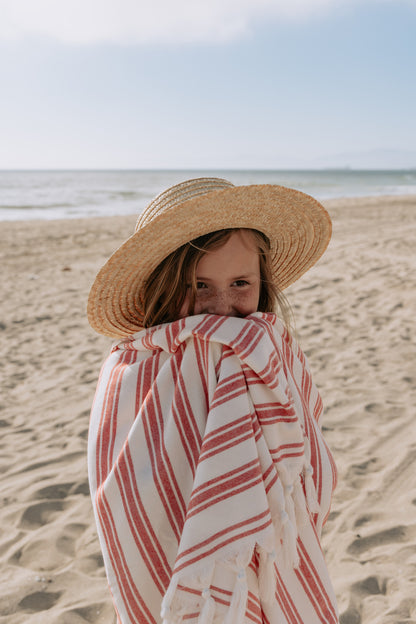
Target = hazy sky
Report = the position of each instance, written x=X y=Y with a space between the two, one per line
x=207 y=83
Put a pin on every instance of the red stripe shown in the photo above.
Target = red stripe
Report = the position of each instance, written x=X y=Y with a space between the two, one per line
x=314 y=588
x=221 y=477
x=133 y=602
x=201 y=352
x=141 y=528
x=286 y=601
x=228 y=389
x=185 y=420
x=224 y=428
x=225 y=437
x=241 y=531
x=229 y=486
x=108 y=421
x=246 y=341
x=239 y=438
x=163 y=474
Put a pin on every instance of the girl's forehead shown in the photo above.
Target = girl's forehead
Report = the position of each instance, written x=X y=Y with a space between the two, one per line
x=238 y=237
x=248 y=237
x=238 y=251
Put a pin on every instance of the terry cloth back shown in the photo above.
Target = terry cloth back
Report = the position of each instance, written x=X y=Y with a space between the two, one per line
x=209 y=476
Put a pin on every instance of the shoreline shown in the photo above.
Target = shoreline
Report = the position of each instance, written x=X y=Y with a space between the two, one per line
x=331 y=202
x=355 y=318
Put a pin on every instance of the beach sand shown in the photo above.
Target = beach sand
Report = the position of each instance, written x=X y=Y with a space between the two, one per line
x=356 y=320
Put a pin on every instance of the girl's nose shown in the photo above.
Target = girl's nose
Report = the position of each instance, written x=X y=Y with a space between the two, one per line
x=220 y=303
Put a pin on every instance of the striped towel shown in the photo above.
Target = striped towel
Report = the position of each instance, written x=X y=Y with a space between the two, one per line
x=210 y=477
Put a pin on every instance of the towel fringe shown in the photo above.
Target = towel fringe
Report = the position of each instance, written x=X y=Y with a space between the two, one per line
x=166 y=612
x=289 y=504
x=237 y=611
x=266 y=576
x=301 y=510
x=311 y=497
x=310 y=491
x=289 y=542
x=207 y=613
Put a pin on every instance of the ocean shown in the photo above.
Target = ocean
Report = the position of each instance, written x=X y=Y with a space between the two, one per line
x=26 y=195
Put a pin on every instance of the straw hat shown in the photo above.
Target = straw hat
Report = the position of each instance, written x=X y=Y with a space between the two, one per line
x=299 y=229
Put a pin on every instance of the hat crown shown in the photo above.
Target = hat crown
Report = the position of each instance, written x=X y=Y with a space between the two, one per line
x=178 y=194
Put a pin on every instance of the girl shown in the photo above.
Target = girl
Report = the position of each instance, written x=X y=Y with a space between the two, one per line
x=209 y=475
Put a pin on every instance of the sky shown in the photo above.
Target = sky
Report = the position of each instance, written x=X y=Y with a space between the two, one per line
x=197 y=84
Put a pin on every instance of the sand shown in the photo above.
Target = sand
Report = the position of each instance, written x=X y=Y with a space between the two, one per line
x=356 y=320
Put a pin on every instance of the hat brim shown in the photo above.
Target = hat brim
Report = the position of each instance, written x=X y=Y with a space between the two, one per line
x=297 y=225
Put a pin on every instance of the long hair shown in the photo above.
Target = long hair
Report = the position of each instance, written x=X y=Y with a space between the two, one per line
x=167 y=286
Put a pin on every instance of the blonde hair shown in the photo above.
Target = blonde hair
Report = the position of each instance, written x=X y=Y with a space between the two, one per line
x=167 y=286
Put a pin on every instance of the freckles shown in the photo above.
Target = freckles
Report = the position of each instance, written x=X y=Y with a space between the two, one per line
x=244 y=302
x=201 y=302
x=239 y=301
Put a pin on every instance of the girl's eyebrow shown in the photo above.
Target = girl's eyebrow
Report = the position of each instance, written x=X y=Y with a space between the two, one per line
x=200 y=278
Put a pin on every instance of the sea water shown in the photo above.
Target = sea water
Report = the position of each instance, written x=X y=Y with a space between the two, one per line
x=68 y=194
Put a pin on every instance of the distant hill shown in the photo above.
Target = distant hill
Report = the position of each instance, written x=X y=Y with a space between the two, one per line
x=371 y=159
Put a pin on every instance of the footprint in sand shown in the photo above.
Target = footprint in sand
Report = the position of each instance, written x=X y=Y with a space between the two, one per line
x=82 y=488
x=55 y=491
x=83 y=434
x=98 y=612
x=67 y=459
x=364 y=519
x=39 y=601
x=389 y=536
x=39 y=514
x=66 y=543
x=350 y=616
x=92 y=565
x=47 y=550
x=370 y=586
x=59 y=491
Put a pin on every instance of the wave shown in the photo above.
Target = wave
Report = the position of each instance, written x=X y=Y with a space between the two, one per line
x=70 y=194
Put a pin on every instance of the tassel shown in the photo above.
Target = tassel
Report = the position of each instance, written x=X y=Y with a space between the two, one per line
x=166 y=612
x=311 y=497
x=289 y=538
x=301 y=510
x=289 y=504
x=237 y=611
x=266 y=576
x=207 y=613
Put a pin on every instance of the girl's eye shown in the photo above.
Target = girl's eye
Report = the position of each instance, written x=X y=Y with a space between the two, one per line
x=240 y=283
x=200 y=285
